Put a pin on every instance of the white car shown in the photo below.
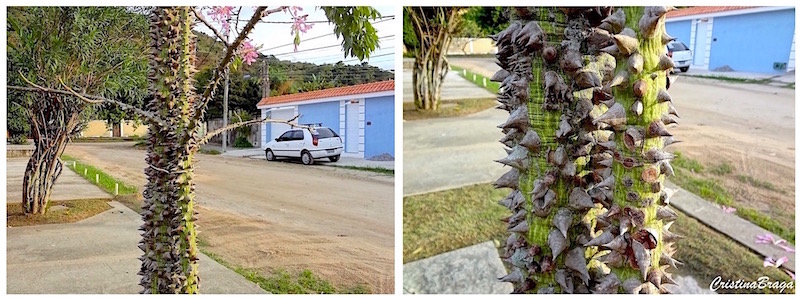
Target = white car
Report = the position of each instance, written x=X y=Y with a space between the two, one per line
x=680 y=54
x=307 y=144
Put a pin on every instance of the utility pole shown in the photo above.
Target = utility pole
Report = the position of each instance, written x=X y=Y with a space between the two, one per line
x=265 y=79
x=225 y=111
x=225 y=105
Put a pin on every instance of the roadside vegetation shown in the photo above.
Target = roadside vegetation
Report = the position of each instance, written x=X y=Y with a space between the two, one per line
x=443 y=221
x=367 y=169
x=764 y=81
x=449 y=108
x=692 y=176
x=106 y=182
x=71 y=211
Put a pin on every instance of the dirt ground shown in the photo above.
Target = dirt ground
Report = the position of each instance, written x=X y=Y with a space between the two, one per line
x=276 y=215
x=749 y=126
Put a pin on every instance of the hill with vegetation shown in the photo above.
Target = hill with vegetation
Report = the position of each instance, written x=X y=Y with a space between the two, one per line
x=285 y=77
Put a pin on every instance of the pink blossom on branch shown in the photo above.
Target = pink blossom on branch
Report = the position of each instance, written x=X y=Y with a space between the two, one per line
x=221 y=15
x=299 y=25
x=248 y=52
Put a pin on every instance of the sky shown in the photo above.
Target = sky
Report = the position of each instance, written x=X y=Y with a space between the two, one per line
x=276 y=38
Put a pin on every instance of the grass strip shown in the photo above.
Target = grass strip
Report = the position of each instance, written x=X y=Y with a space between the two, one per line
x=449 y=108
x=477 y=79
x=76 y=210
x=282 y=282
x=712 y=191
x=98 y=177
x=443 y=221
x=368 y=169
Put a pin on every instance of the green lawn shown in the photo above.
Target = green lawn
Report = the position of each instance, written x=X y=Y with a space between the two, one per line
x=688 y=176
x=443 y=221
x=450 y=108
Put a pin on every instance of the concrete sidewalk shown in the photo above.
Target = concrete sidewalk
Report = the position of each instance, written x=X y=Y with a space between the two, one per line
x=95 y=256
x=70 y=186
x=785 y=78
x=454 y=88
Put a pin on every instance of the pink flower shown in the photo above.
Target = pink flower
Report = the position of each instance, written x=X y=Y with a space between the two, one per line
x=786 y=247
x=770 y=262
x=789 y=272
x=299 y=25
x=221 y=15
x=727 y=209
x=248 y=52
x=766 y=238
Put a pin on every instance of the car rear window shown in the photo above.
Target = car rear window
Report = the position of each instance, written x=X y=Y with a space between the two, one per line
x=324 y=133
x=677 y=46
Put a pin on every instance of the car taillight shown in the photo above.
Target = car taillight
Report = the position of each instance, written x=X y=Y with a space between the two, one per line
x=669 y=54
x=314 y=140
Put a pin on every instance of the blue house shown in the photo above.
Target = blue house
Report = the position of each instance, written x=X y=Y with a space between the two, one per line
x=744 y=38
x=363 y=115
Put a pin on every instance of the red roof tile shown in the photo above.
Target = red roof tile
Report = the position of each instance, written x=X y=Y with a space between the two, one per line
x=703 y=10
x=333 y=92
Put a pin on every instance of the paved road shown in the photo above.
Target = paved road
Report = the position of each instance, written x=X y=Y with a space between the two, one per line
x=97 y=255
x=338 y=223
x=455 y=88
x=70 y=186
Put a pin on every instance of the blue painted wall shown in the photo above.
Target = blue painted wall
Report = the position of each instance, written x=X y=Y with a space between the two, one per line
x=752 y=42
x=681 y=30
x=326 y=113
x=378 y=126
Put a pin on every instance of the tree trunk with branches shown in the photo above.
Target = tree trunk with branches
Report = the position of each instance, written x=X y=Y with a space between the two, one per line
x=434 y=28
x=53 y=122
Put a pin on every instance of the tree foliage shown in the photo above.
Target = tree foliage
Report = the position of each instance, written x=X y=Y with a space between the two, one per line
x=353 y=25
x=487 y=20
x=97 y=50
x=285 y=77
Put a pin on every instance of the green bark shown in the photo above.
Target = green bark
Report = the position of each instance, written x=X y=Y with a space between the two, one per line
x=586 y=92
x=169 y=263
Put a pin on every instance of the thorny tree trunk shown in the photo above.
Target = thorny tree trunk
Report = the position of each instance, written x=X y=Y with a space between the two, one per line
x=434 y=31
x=50 y=138
x=169 y=263
x=586 y=93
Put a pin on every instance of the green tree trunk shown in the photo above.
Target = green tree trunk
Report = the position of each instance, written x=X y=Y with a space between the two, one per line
x=169 y=263
x=586 y=93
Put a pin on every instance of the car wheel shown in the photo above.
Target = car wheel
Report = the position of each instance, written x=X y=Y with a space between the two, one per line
x=334 y=158
x=306 y=158
x=270 y=155
x=684 y=69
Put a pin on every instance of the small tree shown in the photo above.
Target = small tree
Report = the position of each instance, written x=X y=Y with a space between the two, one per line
x=174 y=114
x=434 y=28
x=93 y=49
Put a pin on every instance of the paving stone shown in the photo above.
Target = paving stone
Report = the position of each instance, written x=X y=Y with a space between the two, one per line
x=470 y=270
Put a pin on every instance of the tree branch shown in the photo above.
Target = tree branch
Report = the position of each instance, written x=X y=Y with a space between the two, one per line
x=212 y=134
x=219 y=35
x=92 y=99
x=260 y=12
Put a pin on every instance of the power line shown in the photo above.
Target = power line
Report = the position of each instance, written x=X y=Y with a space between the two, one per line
x=320 y=36
x=320 y=48
x=391 y=17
